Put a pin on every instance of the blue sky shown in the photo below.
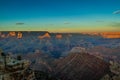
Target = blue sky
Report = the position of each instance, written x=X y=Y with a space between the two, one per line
x=60 y=15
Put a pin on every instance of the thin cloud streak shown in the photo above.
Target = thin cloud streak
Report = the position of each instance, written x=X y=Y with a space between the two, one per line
x=66 y=22
x=115 y=24
x=116 y=12
x=20 y=23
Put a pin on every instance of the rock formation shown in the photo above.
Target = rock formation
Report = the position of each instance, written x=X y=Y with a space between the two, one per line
x=81 y=66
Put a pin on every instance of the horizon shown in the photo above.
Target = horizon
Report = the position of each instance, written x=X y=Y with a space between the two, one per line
x=90 y=33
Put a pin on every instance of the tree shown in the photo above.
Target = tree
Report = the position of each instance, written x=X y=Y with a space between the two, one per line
x=1 y=50
x=19 y=57
x=4 y=55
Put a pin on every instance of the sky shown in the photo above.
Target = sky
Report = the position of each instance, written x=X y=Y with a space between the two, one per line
x=60 y=15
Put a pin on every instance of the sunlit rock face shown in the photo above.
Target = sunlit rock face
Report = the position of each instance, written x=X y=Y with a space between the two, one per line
x=3 y=36
x=105 y=34
x=12 y=34
x=58 y=36
x=46 y=35
x=19 y=35
x=111 y=34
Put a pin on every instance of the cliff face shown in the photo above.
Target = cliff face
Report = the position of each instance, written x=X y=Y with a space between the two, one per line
x=111 y=34
x=19 y=35
x=46 y=35
x=81 y=66
x=105 y=34
x=59 y=36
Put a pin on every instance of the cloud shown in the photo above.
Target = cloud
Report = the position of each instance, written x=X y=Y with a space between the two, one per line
x=20 y=23
x=99 y=21
x=115 y=24
x=116 y=12
x=50 y=24
x=66 y=22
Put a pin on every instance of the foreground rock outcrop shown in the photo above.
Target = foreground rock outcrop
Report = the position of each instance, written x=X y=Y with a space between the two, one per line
x=81 y=66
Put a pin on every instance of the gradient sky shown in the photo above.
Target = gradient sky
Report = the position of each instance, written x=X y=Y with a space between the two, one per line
x=60 y=15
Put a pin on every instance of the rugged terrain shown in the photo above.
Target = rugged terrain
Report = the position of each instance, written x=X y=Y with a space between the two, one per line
x=58 y=56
